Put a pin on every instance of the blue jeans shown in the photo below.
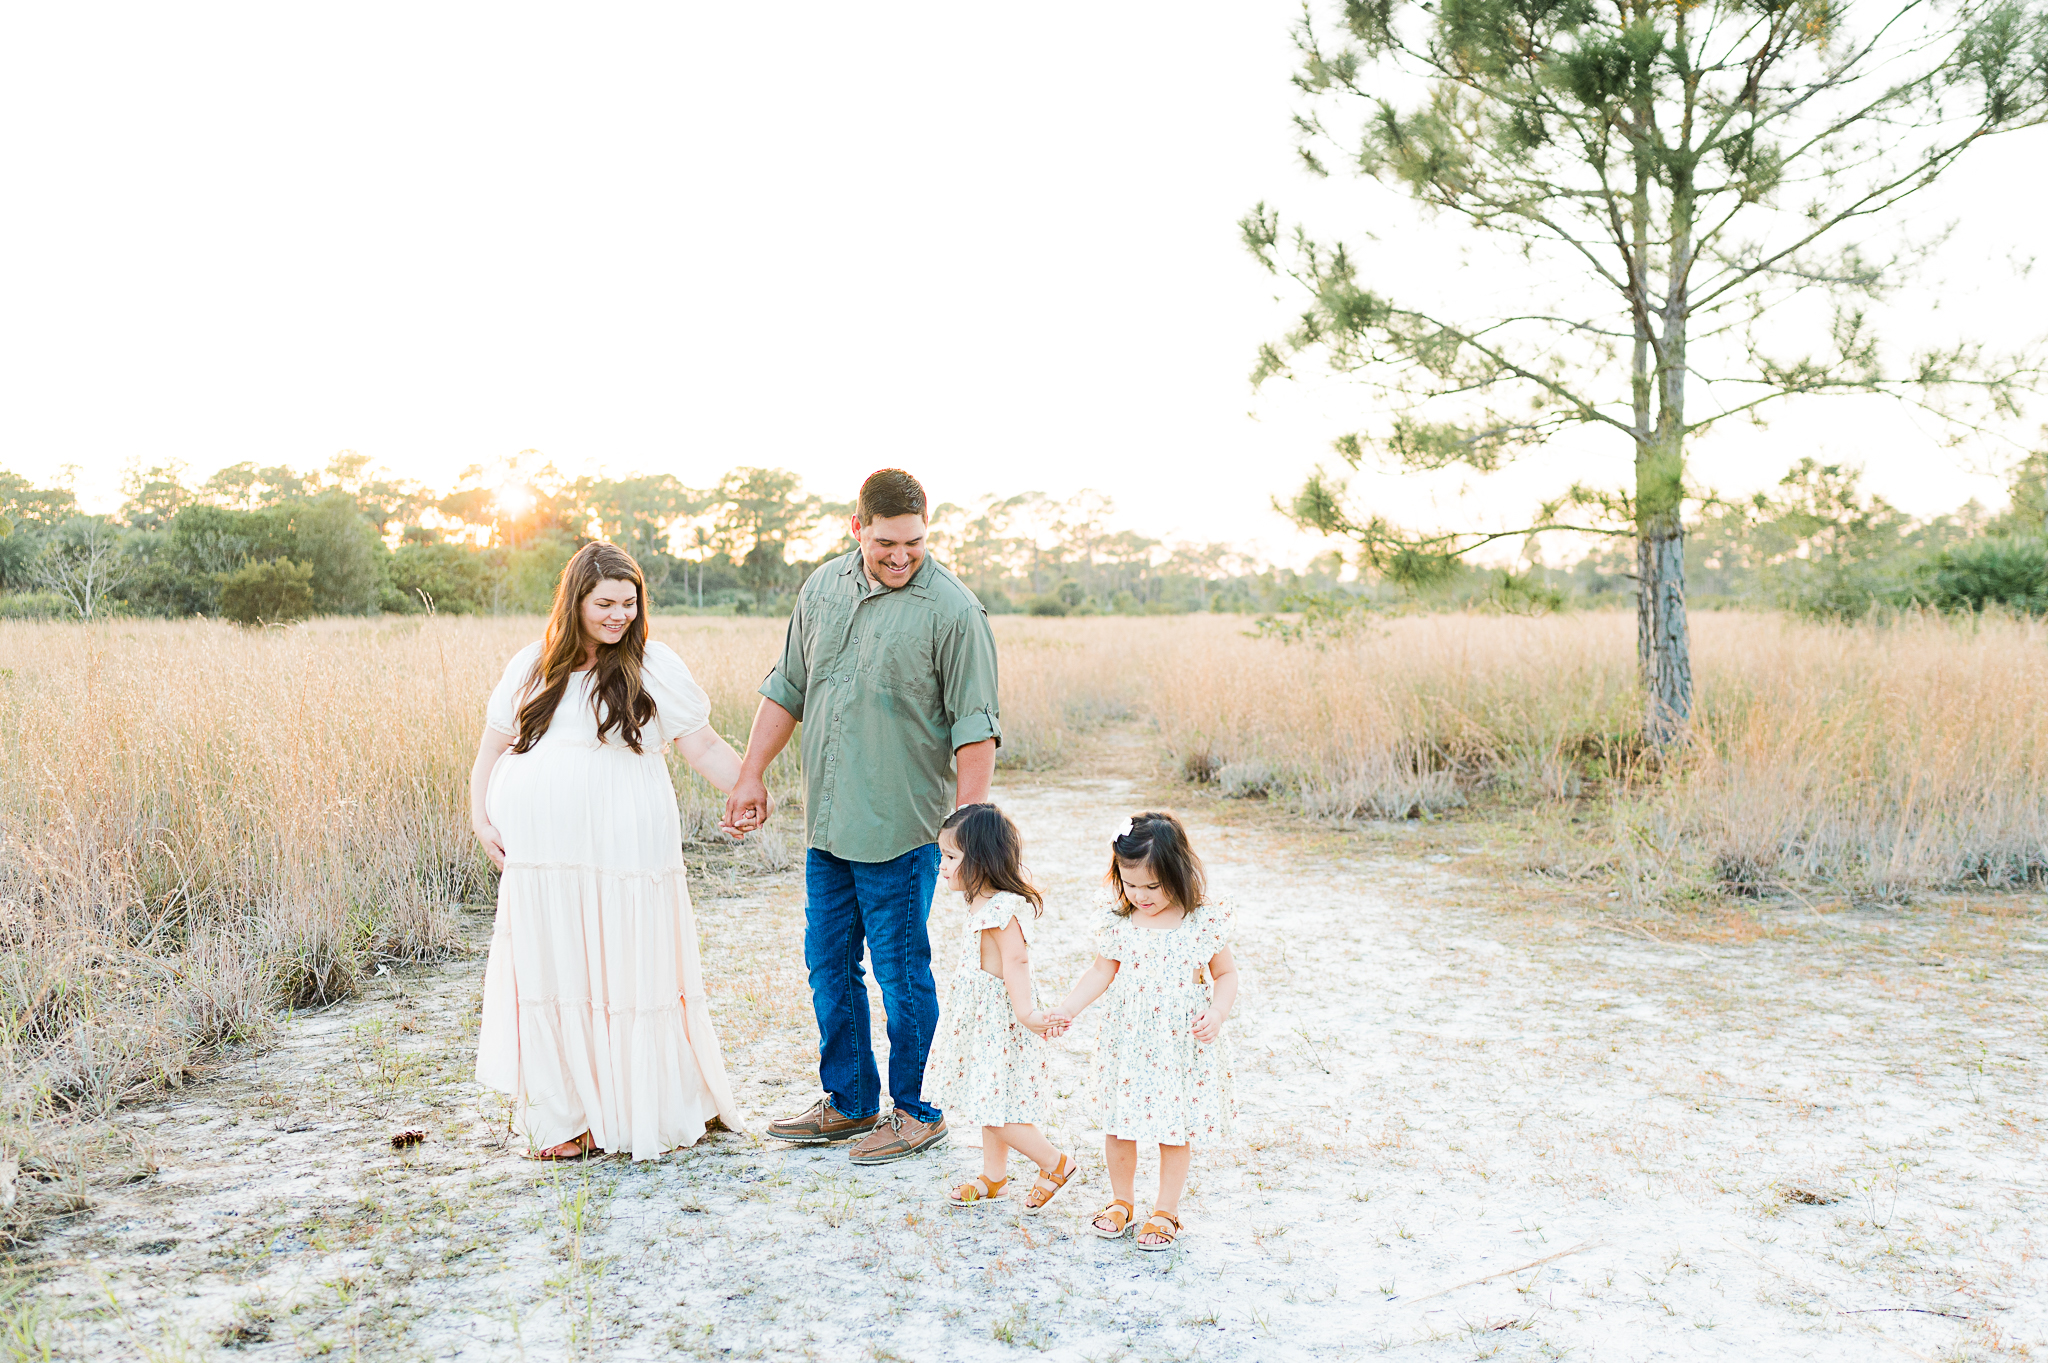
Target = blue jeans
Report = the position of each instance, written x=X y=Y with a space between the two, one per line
x=884 y=904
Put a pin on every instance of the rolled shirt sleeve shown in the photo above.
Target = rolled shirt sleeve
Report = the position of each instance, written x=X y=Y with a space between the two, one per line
x=790 y=678
x=967 y=676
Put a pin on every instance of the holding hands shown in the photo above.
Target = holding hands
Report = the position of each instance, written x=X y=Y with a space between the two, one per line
x=748 y=807
x=1053 y=1023
x=747 y=818
x=1047 y=1025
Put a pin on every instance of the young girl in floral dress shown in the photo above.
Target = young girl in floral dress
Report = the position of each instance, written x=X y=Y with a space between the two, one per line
x=1161 y=1070
x=987 y=1068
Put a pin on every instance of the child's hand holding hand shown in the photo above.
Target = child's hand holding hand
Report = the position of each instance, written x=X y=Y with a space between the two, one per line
x=1056 y=1024
x=1038 y=1022
x=1209 y=1025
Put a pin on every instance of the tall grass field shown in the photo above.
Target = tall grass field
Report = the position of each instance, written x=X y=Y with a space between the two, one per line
x=200 y=824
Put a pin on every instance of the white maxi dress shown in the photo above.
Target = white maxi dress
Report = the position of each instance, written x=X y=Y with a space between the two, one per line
x=594 y=1012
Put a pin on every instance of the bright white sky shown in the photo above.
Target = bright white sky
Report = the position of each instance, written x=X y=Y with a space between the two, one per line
x=994 y=245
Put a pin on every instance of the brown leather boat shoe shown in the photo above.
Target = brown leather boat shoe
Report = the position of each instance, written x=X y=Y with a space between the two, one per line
x=898 y=1136
x=820 y=1124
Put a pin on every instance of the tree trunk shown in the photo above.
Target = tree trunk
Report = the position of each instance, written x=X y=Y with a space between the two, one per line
x=1663 y=643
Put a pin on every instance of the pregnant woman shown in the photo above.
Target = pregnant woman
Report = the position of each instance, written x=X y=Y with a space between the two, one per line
x=594 y=1014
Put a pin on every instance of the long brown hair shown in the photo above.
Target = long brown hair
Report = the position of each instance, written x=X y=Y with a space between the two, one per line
x=991 y=854
x=1157 y=840
x=616 y=694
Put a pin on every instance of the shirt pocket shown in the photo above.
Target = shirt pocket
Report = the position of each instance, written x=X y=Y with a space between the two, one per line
x=825 y=650
x=901 y=662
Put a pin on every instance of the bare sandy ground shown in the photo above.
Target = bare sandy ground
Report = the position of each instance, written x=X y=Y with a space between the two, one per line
x=1472 y=1127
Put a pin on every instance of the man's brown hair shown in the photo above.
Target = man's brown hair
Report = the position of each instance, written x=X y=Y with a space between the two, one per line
x=889 y=492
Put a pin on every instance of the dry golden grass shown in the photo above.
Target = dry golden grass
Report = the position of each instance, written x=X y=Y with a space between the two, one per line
x=1874 y=761
x=1869 y=760
x=202 y=823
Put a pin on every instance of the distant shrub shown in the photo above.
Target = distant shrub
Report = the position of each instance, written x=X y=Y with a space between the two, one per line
x=446 y=578
x=267 y=593
x=343 y=551
x=1839 y=590
x=34 y=606
x=1245 y=780
x=2006 y=572
x=17 y=555
x=1046 y=605
x=531 y=573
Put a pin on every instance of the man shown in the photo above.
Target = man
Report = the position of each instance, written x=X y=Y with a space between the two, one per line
x=891 y=667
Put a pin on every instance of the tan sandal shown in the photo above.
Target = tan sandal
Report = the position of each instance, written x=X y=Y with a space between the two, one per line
x=1159 y=1223
x=1118 y=1211
x=585 y=1146
x=978 y=1191
x=1049 y=1183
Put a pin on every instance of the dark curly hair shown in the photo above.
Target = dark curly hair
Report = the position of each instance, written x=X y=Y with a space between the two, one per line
x=991 y=854
x=1157 y=840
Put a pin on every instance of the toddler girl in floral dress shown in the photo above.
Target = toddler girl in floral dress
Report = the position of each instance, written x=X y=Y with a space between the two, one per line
x=987 y=1067
x=1162 y=1073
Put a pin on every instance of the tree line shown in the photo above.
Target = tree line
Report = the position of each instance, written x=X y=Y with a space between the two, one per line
x=1816 y=544
x=270 y=545
x=274 y=544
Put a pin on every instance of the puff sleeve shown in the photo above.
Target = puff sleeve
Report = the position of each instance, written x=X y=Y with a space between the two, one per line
x=1112 y=940
x=680 y=705
x=1214 y=930
x=997 y=910
x=501 y=712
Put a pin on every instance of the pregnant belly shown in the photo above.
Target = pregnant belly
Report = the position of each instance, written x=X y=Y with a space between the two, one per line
x=586 y=806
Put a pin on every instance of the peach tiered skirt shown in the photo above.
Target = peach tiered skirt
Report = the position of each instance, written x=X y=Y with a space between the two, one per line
x=594 y=1013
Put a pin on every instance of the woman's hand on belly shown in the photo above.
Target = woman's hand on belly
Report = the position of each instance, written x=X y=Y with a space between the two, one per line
x=494 y=846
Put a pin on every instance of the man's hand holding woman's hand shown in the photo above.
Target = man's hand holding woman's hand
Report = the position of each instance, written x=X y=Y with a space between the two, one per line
x=737 y=831
x=747 y=807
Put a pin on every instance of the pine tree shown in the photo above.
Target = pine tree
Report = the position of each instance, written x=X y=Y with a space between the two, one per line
x=1683 y=180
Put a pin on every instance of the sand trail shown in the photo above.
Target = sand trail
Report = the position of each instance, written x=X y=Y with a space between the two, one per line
x=1436 y=1091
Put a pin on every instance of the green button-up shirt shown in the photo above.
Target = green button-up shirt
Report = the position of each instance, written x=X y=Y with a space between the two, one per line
x=889 y=685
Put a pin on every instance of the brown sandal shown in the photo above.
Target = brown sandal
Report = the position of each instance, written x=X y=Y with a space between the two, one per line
x=1118 y=1211
x=1158 y=1224
x=585 y=1146
x=978 y=1191
x=1050 y=1181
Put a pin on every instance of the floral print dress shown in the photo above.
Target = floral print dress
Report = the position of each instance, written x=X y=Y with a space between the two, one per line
x=1153 y=1081
x=985 y=1067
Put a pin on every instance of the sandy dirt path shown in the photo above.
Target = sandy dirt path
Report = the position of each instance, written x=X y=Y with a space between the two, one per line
x=1470 y=1129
